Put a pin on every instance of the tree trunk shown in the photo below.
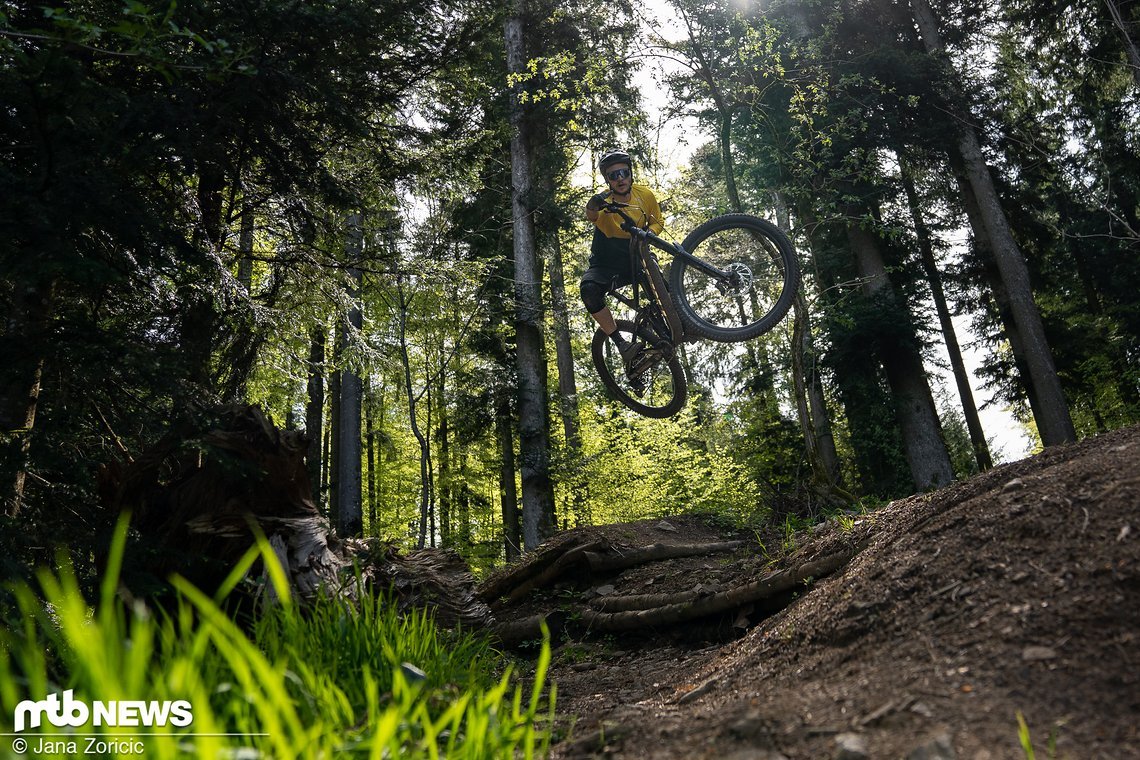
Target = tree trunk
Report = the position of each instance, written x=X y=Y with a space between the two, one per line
x=961 y=378
x=1054 y=422
x=504 y=425
x=425 y=451
x=534 y=447
x=445 y=496
x=984 y=252
x=24 y=334
x=811 y=409
x=370 y=439
x=923 y=445
x=245 y=250
x=567 y=385
x=464 y=503
x=1126 y=40
x=349 y=511
x=332 y=466
x=814 y=423
x=705 y=73
x=315 y=410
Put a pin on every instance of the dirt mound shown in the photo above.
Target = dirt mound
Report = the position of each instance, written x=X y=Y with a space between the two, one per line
x=1017 y=592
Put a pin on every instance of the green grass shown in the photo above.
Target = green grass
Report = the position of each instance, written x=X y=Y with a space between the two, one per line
x=327 y=680
x=1026 y=741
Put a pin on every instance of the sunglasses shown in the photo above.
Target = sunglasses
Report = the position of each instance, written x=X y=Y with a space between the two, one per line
x=617 y=174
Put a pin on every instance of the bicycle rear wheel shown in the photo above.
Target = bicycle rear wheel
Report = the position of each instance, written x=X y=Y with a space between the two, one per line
x=760 y=284
x=657 y=387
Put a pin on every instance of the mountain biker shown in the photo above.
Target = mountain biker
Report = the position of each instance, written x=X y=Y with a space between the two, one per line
x=610 y=263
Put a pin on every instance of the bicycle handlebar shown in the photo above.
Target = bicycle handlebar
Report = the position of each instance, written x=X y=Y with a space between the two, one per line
x=614 y=207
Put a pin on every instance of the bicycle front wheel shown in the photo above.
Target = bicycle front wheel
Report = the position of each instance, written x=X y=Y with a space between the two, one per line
x=656 y=387
x=761 y=277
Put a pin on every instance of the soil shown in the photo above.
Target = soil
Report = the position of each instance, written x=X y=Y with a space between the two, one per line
x=1015 y=593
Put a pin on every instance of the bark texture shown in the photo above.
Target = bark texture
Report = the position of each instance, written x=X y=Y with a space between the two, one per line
x=198 y=497
x=1053 y=420
x=534 y=445
x=923 y=446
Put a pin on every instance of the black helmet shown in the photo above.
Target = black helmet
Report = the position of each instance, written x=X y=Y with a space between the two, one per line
x=611 y=157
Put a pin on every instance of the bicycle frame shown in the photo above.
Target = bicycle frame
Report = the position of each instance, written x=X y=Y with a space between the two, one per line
x=640 y=237
x=680 y=253
x=673 y=249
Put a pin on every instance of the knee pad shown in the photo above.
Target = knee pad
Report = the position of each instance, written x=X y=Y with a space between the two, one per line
x=593 y=295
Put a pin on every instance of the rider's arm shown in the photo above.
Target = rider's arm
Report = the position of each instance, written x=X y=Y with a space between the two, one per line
x=594 y=206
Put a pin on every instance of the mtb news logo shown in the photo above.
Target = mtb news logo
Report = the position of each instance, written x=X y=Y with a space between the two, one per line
x=74 y=713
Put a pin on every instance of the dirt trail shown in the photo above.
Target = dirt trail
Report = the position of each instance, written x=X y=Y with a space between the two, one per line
x=1015 y=592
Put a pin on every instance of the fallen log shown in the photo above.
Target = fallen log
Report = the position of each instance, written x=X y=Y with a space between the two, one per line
x=534 y=564
x=621 y=560
x=689 y=609
x=511 y=632
x=644 y=601
x=598 y=556
x=555 y=571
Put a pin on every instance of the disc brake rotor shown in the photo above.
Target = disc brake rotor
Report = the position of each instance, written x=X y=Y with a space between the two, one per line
x=738 y=279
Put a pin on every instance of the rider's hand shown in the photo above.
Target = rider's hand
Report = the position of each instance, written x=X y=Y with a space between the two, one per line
x=597 y=203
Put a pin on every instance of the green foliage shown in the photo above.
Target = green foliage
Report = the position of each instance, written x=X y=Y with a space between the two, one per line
x=1026 y=741
x=142 y=137
x=330 y=680
x=640 y=468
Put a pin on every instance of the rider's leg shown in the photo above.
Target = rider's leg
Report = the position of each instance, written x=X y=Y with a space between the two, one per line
x=605 y=320
x=595 y=284
x=594 y=297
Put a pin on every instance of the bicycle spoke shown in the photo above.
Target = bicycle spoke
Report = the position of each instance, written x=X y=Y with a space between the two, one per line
x=654 y=386
x=755 y=279
x=756 y=289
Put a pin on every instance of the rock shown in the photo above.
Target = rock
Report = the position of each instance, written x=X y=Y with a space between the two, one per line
x=604 y=590
x=1014 y=485
x=412 y=674
x=669 y=527
x=851 y=747
x=697 y=693
x=923 y=709
x=939 y=748
x=1038 y=654
x=752 y=726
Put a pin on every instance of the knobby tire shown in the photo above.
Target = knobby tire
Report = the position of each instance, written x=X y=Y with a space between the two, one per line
x=668 y=392
x=744 y=243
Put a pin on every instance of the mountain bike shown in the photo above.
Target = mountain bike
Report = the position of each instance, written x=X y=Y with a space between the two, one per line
x=731 y=279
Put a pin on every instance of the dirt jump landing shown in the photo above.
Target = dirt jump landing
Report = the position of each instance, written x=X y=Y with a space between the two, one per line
x=937 y=622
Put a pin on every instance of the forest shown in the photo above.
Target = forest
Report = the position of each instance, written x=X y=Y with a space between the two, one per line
x=365 y=219
x=320 y=209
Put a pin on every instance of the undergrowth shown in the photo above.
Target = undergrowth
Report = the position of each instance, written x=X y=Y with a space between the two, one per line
x=324 y=680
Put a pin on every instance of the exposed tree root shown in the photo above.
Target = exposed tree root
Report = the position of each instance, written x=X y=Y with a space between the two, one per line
x=643 y=611
x=620 y=560
x=533 y=565
x=204 y=492
x=684 y=607
x=555 y=571
x=554 y=561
